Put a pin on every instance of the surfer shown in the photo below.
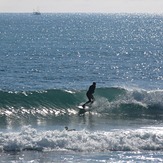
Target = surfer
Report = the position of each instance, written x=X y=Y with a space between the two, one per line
x=66 y=128
x=89 y=94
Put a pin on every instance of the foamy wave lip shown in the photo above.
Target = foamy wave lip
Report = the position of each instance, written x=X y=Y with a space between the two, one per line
x=82 y=141
x=71 y=92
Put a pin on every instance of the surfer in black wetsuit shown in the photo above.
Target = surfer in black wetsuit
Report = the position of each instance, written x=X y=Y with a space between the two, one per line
x=89 y=94
x=66 y=128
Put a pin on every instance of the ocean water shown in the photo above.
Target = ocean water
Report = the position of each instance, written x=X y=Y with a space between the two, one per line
x=47 y=64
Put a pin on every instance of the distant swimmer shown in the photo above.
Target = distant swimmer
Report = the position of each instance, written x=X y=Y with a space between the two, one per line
x=66 y=128
x=89 y=94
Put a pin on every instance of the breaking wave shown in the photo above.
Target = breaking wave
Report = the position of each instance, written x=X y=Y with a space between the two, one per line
x=82 y=141
x=113 y=101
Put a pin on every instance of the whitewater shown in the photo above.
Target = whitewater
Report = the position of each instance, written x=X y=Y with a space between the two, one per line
x=47 y=64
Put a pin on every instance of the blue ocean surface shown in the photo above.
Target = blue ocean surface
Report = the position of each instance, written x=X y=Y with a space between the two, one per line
x=48 y=62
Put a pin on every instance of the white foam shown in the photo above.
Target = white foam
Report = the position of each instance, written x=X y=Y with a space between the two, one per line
x=82 y=141
x=71 y=92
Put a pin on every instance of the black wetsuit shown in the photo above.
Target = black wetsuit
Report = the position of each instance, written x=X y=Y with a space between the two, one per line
x=90 y=92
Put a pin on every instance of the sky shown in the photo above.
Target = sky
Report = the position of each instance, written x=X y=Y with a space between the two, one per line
x=82 y=6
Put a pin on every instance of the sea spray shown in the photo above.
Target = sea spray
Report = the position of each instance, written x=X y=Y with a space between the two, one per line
x=29 y=138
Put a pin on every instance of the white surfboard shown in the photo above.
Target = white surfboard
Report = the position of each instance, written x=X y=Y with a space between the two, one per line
x=82 y=110
x=81 y=107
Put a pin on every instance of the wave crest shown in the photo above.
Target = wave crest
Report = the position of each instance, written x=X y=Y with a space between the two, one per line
x=109 y=101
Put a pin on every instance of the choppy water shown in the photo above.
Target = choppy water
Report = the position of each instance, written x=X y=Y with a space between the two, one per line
x=48 y=63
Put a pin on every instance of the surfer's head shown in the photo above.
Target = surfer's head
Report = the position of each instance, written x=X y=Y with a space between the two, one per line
x=66 y=128
x=94 y=83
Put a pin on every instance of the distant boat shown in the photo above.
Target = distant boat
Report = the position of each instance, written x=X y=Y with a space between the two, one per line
x=36 y=12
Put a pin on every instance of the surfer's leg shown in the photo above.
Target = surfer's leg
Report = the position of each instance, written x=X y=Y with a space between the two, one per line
x=92 y=99
x=85 y=104
x=89 y=100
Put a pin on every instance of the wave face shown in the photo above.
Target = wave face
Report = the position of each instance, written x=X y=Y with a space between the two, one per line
x=114 y=101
